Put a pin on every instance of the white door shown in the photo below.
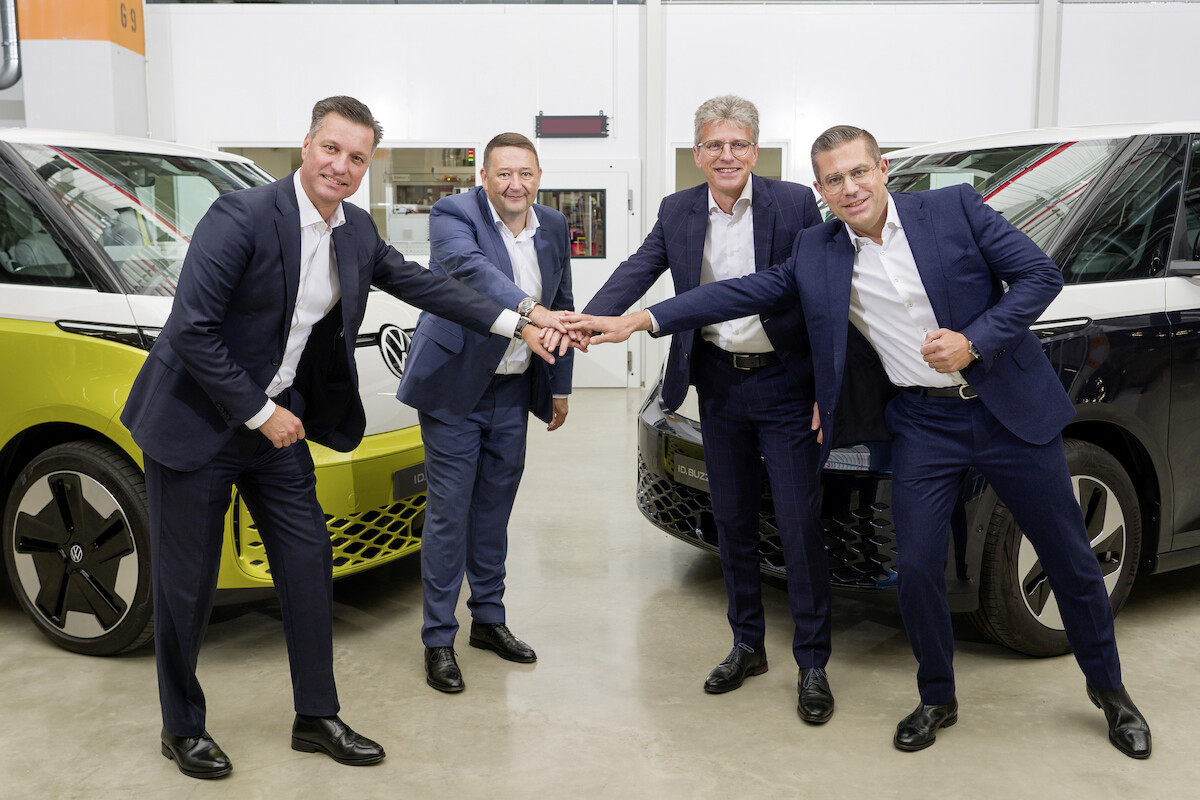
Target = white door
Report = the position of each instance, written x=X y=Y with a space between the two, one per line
x=598 y=205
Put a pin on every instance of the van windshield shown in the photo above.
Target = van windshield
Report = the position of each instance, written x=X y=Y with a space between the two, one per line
x=1033 y=186
x=141 y=208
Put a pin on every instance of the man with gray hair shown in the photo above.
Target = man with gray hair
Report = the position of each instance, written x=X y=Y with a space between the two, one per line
x=754 y=380
x=923 y=301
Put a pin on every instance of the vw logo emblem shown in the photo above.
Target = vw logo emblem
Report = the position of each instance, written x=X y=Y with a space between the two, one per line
x=393 y=346
x=76 y=553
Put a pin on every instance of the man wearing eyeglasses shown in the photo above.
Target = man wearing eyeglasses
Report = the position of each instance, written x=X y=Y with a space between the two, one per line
x=754 y=380
x=939 y=291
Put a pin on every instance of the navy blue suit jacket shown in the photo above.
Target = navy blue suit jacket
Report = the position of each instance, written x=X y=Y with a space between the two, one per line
x=449 y=368
x=224 y=340
x=676 y=242
x=964 y=251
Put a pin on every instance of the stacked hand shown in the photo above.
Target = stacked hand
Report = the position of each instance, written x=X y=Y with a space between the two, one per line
x=548 y=333
x=591 y=329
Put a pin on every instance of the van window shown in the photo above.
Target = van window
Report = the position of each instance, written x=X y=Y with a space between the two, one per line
x=28 y=253
x=1129 y=234
x=141 y=208
x=1191 y=205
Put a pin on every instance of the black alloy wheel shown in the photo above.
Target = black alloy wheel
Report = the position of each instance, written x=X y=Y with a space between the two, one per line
x=1017 y=607
x=76 y=544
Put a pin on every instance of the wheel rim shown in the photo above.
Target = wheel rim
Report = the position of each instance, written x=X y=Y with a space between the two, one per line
x=1105 y=521
x=75 y=555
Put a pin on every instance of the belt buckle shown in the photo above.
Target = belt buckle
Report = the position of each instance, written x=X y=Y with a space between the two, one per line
x=737 y=362
x=963 y=388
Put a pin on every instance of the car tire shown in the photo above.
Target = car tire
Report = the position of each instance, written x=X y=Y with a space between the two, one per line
x=76 y=544
x=1016 y=606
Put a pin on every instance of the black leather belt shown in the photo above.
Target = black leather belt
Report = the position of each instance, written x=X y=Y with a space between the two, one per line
x=745 y=361
x=961 y=392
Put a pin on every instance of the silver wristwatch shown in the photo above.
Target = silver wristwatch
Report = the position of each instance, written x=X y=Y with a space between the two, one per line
x=973 y=350
x=521 y=323
x=526 y=306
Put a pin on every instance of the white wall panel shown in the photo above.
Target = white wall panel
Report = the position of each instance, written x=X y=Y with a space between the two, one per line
x=1129 y=62
x=907 y=73
x=430 y=74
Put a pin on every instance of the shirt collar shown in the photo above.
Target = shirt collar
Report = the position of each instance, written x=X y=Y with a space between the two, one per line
x=531 y=221
x=890 y=226
x=745 y=198
x=308 y=212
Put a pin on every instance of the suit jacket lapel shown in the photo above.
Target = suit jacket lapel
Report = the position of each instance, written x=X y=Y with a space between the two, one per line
x=764 y=223
x=922 y=241
x=498 y=252
x=838 y=272
x=697 y=231
x=546 y=264
x=287 y=226
x=347 y=267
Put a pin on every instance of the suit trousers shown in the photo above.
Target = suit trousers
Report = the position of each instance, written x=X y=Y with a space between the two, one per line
x=187 y=518
x=472 y=471
x=751 y=418
x=935 y=441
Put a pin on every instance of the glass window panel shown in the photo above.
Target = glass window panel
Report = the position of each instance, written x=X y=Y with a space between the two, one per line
x=1033 y=186
x=1191 y=205
x=141 y=208
x=584 y=210
x=1129 y=234
x=28 y=253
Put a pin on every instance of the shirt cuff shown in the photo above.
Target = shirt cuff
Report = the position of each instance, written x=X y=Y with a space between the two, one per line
x=560 y=396
x=255 y=422
x=653 y=321
x=506 y=323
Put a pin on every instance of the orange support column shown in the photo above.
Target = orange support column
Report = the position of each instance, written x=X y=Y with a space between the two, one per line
x=83 y=63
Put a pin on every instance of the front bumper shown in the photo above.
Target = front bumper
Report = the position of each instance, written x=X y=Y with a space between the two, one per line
x=855 y=509
x=371 y=519
x=855 y=502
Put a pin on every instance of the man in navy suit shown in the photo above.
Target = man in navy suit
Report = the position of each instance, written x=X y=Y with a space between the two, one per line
x=754 y=380
x=256 y=357
x=475 y=393
x=922 y=279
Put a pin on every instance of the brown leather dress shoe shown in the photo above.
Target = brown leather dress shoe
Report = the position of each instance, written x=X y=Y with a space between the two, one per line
x=497 y=637
x=919 y=729
x=441 y=670
x=815 y=704
x=1127 y=728
x=741 y=663
x=196 y=756
x=334 y=738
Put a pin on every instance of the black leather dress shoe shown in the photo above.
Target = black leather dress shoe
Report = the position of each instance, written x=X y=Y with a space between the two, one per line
x=816 y=700
x=919 y=729
x=196 y=756
x=496 y=636
x=1127 y=728
x=737 y=666
x=441 y=670
x=334 y=738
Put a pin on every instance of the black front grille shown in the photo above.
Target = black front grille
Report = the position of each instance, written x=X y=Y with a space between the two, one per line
x=855 y=519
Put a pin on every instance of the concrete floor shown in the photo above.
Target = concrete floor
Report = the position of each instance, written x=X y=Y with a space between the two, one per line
x=626 y=622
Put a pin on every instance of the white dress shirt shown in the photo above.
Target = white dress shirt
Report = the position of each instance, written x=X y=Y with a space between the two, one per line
x=317 y=292
x=889 y=305
x=729 y=253
x=527 y=275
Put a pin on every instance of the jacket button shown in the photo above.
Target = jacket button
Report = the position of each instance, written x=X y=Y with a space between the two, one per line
x=274 y=362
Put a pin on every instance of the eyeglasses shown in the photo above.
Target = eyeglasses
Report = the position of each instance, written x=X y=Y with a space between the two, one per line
x=836 y=183
x=715 y=147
